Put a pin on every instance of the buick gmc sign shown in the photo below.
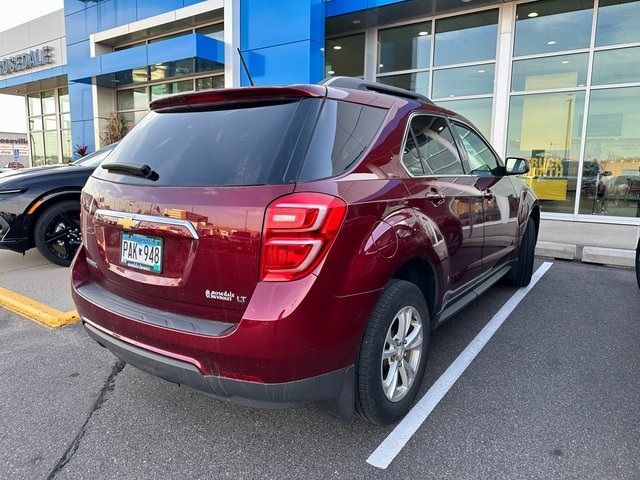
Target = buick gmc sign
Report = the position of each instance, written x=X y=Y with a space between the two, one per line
x=27 y=60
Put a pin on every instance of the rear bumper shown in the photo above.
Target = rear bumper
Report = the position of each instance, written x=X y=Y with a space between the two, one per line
x=322 y=388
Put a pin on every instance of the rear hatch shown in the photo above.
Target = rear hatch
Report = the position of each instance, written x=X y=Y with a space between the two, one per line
x=186 y=237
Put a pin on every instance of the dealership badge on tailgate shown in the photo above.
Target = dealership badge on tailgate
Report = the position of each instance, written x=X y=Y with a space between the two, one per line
x=141 y=251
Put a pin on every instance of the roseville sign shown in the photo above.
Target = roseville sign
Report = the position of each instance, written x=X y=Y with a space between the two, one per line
x=24 y=61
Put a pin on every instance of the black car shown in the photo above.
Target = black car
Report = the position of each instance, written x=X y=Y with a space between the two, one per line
x=40 y=207
x=638 y=263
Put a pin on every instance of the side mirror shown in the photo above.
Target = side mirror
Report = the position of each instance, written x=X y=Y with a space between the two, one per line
x=516 y=166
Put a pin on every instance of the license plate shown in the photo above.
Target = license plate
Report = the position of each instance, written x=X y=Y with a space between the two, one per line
x=141 y=251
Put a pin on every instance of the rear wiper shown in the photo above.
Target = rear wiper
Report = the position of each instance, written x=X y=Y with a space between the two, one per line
x=141 y=170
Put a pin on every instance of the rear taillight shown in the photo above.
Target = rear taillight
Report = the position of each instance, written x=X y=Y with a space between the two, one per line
x=298 y=231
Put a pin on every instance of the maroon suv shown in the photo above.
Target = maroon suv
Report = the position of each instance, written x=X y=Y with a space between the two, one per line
x=282 y=245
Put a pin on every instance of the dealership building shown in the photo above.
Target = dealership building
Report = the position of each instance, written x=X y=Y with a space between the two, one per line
x=555 y=81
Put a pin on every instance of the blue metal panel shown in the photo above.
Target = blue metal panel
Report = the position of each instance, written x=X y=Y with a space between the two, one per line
x=72 y=6
x=48 y=73
x=124 y=59
x=298 y=62
x=79 y=25
x=79 y=69
x=150 y=8
x=340 y=7
x=78 y=52
x=282 y=45
x=262 y=25
x=81 y=101
x=113 y=13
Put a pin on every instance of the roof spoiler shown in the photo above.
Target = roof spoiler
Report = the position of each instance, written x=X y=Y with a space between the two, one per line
x=359 y=84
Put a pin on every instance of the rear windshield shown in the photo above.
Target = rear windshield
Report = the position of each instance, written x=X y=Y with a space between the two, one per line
x=206 y=148
x=251 y=145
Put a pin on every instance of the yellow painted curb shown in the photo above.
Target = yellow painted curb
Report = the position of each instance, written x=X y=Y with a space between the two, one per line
x=36 y=311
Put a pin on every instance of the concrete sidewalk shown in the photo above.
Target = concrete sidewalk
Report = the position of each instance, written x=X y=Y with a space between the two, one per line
x=601 y=243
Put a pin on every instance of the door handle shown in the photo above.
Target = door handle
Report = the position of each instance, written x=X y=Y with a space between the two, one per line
x=434 y=196
x=487 y=194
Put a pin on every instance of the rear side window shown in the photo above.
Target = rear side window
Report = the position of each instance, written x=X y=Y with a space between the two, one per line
x=343 y=132
x=481 y=159
x=430 y=148
x=209 y=148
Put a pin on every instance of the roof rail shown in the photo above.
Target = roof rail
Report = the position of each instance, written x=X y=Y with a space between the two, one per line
x=359 y=84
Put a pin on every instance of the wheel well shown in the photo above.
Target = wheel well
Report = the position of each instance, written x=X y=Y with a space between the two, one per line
x=43 y=206
x=421 y=272
x=535 y=216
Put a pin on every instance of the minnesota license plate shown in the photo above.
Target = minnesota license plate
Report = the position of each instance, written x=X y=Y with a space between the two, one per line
x=141 y=251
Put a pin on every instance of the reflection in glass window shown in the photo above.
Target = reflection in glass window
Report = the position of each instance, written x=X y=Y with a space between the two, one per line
x=133 y=118
x=466 y=38
x=37 y=149
x=133 y=99
x=209 y=83
x=404 y=48
x=159 y=91
x=611 y=172
x=563 y=71
x=417 y=82
x=618 y=22
x=178 y=68
x=553 y=26
x=67 y=151
x=477 y=110
x=616 y=66
x=345 y=56
x=482 y=160
x=463 y=81
x=213 y=31
x=546 y=129
x=430 y=148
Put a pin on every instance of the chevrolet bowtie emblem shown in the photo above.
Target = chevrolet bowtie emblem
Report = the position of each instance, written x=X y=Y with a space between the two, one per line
x=128 y=223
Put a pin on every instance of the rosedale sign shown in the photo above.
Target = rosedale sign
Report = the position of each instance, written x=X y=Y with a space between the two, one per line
x=24 y=61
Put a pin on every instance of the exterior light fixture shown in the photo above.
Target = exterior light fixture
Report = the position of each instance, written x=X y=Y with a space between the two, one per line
x=533 y=15
x=337 y=47
x=551 y=42
x=423 y=33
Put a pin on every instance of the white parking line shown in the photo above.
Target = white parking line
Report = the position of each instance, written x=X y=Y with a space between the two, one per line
x=399 y=436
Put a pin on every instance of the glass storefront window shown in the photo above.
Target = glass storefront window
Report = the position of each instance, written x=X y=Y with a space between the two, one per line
x=618 y=22
x=213 y=31
x=35 y=123
x=463 y=81
x=159 y=91
x=611 y=172
x=553 y=26
x=67 y=151
x=404 y=48
x=49 y=102
x=133 y=99
x=345 y=56
x=466 y=38
x=616 y=66
x=547 y=129
x=477 y=110
x=51 y=147
x=210 y=82
x=34 y=104
x=63 y=100
x=562 y=71
x=65 y=121
x=37 y=149
x=50 y=122
x=418 y=82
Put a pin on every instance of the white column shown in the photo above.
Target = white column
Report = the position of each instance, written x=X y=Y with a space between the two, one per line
x=231 y=43
x=370 y=54
x=503 y=77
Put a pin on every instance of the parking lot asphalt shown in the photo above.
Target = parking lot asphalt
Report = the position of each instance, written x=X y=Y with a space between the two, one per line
x=553 y=394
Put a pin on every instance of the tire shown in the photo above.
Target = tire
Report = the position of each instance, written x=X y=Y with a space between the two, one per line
x=372 y=403
x=57 y=232
x=521 y=272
